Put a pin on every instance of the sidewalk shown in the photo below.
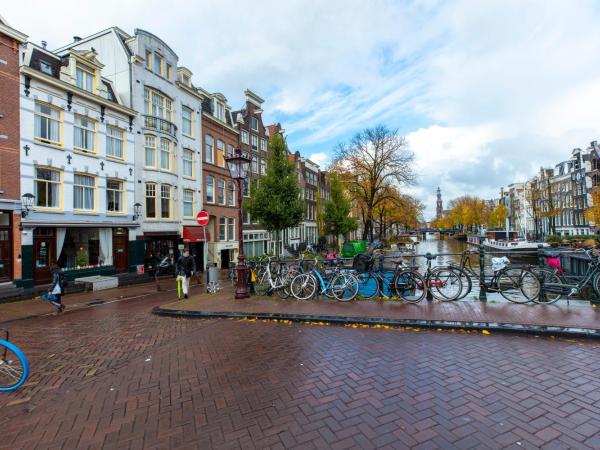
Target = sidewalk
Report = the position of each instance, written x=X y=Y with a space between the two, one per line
x=580 y=320
x=25 y=309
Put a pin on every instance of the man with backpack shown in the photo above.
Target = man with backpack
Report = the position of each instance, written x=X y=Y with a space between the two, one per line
x=185 y=268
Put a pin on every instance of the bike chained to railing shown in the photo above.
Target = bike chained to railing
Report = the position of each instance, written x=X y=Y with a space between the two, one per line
x=518 y=283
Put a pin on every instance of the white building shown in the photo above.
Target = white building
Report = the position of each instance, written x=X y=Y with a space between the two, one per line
x=168 y=172
x=78 y=162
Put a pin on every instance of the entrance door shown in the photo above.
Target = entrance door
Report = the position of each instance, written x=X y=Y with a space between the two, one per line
x=120 y=249
x=5 y=245
x=225 y=259
x=44 y=249
x=197 y=251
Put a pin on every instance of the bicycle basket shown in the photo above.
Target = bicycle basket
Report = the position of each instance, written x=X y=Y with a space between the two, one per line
x=362 y=263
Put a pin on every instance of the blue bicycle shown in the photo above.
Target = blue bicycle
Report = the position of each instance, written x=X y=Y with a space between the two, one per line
x=339 y=284
x=14 y=367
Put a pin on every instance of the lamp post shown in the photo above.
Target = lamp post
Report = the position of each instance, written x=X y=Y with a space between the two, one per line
x=238 y=165
x=27 y=202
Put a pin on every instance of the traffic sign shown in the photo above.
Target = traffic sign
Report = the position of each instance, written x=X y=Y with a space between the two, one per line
x=202 y=218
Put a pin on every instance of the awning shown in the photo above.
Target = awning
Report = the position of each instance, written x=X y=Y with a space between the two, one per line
x=196 y=234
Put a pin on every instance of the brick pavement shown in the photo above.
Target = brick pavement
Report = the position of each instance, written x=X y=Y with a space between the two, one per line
x=117 y=376
x=580 y=318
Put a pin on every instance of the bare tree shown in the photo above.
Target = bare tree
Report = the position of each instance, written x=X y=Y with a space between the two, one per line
x=375 y=160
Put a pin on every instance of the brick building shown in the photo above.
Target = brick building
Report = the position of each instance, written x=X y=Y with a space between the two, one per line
x=220 y=138
x=10 y=192
x=253 y=140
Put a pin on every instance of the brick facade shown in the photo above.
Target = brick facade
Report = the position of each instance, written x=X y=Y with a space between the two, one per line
x=10 y=187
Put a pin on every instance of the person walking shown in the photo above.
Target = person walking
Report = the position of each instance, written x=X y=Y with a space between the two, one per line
x=57 y=289
x=186 y=267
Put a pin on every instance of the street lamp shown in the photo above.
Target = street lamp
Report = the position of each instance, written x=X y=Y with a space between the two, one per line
x=238 y=165
x=27 y=202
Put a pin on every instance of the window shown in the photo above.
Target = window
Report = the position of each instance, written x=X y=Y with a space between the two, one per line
x=230 y=150
x=114 y=196
x=47 y=188
x=84 y=187
x=186 y=80
x=210 y=189
x=85 y=134
x=114 y=142
x=187 y=120
x=169 y=71
x=48 y=124
x=45 y=67
x=254 y=164
x=245 y=137
x=209 y=156
x=220 y=111
x=84 y=76
x=254 y=123
x=165 y=201
x=231 y=193
x=246 y=190
x=246 y=217
x=150 y=150
x=158 y=64
x=188 y=163
x=165 y=154
x=231 y=228
x=221 y=191
x=151 y=200
x=222 y=228
x=254 y=141
x=157 y=104
x=220 y=153
x=263 y=167
x=263 y=144
x=148 y=59
x=188 y=203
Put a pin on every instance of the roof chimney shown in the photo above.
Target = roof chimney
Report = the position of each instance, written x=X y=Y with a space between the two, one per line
x=44 y=44
x=76 y=38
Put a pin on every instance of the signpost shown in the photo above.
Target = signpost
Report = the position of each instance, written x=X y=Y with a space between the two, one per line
x=202 y=218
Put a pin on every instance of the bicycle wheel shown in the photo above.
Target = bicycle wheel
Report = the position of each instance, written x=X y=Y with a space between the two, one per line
x=466 y=281
x=445 y=284
x=344 y=287
x=386 y=286
x=14 y=367
x=518 y=285
x=367 y=285
x=410 y=286
x=262 y=285
x=283 y=282
x=547 y=276
x=303 y=286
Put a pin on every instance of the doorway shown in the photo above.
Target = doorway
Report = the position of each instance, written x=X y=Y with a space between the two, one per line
x=5 y=245
x=120 y=250
x=225 y=259
x=44 y=254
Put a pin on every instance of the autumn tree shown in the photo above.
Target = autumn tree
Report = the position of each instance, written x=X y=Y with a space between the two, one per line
x=497 y=218
x=375 y=160
x=336 y=211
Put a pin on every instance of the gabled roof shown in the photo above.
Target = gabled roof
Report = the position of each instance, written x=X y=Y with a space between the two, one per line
x=6 y=29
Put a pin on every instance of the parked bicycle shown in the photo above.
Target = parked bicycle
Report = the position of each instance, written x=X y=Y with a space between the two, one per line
x=273 y=278
x=334 y=283
x=14 y=367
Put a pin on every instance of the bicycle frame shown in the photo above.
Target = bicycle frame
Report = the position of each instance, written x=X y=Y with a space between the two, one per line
x=570 y=288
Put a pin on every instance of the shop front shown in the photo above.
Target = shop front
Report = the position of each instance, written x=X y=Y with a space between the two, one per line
x=222 y=253
x=195 y=237
x=159 y=245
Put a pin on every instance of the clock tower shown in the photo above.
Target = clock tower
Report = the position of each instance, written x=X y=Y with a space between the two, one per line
x=439 y=209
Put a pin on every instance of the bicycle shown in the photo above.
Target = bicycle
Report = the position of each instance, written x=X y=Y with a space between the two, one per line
x=277 y=281
x=516 y=283
x=14 y=367
x=443 y=283
x=554 y=283
x=233 y=273
x=341 y=284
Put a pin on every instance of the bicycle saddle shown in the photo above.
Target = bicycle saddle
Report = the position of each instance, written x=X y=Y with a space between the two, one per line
x=429 y=256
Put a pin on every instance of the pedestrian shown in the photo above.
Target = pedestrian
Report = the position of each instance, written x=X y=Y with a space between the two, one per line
x=186 y=267
x=57 y=289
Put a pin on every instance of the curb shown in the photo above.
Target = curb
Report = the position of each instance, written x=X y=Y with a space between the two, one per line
x=547 y=330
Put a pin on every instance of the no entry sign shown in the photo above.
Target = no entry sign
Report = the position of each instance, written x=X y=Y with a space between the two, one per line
x=202 y=218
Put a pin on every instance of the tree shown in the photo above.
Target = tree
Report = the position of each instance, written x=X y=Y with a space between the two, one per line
x=336 y=211
x=275 y=201
x=592 y=213
x=466 y=212
x=497 y=217
x=375 y=160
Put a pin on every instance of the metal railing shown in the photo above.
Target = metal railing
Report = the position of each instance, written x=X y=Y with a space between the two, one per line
x=160 y=124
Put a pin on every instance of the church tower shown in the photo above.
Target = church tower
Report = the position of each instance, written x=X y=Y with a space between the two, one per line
x=439 y=209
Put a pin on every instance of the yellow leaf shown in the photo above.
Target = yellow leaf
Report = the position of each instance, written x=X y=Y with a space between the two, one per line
x=485 y=332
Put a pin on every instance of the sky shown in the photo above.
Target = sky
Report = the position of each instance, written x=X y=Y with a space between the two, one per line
x=486 y=92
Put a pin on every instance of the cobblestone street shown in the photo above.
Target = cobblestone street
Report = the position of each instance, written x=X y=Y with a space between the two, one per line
x=116 y=376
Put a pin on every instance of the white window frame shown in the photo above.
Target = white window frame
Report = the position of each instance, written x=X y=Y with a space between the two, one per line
x=245 y=137
x=188 y=201
x=87 y=133
x=185 y=110
x=212 y=189
x=43 y=121
x=85 y=77
x=147 y=139
x=116 y=141
x=146 y=197
x=112 y=192
x=47 y=184
x=168 y=152
x=188 y=161
x=84 y=188
x=221 y=189
x=169 y=190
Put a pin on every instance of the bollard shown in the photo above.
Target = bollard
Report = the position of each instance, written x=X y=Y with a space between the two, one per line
x=482 y=288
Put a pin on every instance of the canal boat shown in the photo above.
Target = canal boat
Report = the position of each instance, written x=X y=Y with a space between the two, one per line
x=509 y=241
x=476 y=239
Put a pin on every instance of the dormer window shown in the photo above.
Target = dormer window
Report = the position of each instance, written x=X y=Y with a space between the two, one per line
x=220 y=111
x=85 y=77
x=46 y=68
x=158 y=64
x=254 y=123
